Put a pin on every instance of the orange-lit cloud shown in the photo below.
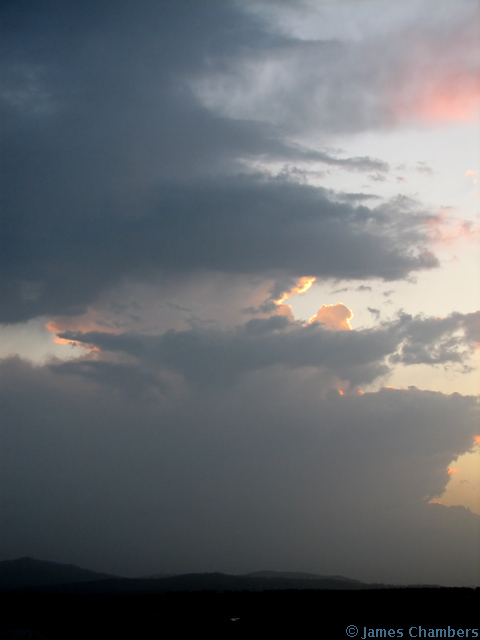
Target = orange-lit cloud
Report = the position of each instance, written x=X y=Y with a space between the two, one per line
x=301 y=286
x=54 y=328
x=285 y=310
x=463 y=484
x=472 y=174
x=90 y=321
x=344 y=387
x=335 y=317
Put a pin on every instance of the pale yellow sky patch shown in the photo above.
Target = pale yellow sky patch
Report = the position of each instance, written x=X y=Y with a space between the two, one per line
x=463 y=488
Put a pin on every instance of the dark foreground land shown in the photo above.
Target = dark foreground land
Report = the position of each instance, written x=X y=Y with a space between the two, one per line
x=390 y=612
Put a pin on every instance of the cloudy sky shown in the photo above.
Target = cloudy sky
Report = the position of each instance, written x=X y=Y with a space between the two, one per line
x=240 y=286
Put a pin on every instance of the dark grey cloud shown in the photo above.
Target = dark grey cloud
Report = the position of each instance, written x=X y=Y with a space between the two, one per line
x=438 y=340
x=273 y=472
x=114 y=169
x=364 y=163
x=128 y=379
x=58 y=261
x=218 y=358
x=129 y=137
x=356 y=197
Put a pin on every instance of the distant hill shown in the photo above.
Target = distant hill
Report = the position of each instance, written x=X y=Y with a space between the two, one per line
x=260 y=581
x=156 y=576
x=299 y=575
x=27 y=572
x=44 y=595
x=29 y=575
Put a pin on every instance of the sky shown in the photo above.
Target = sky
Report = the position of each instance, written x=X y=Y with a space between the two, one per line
x=240 y=286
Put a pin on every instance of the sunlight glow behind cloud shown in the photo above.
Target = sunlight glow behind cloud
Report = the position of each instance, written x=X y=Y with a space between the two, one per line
x=335 y=317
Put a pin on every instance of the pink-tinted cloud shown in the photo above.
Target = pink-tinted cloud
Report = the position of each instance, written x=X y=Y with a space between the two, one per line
x=89 y=321
x=335 y=317
x=445 y=228
x=433 y=83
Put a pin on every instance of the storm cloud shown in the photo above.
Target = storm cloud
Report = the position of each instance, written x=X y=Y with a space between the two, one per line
x=217 y=357
x=268 y=473
x=116 y=169
x=174 y=175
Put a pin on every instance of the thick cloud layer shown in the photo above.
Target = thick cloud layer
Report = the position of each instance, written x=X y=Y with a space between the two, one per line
x=271 y=472
x=113 y=164
x=414 y=63
x=239 y=226
x=165 y=192
x=216 y=357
